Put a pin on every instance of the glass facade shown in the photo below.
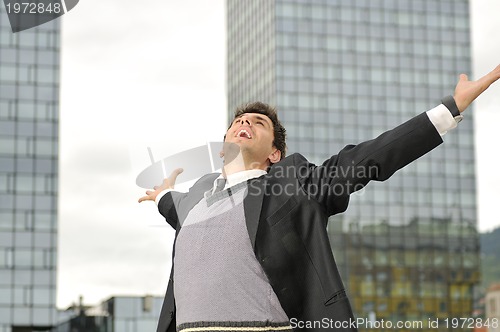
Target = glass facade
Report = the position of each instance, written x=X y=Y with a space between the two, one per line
x=29 y=101
x=117 y=314
x=343 y=72
x=251 y=64
x=130 y=314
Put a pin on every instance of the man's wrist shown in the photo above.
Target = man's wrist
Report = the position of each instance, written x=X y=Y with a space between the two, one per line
x=442 y=119
x=160 y=195
x=451 y=105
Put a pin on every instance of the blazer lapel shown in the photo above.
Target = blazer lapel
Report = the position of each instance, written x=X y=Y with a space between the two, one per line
x=253 y=206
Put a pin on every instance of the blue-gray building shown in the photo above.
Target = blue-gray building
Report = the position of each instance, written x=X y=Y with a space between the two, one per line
x=116 y=314
x=341 y=72
x=29 y=130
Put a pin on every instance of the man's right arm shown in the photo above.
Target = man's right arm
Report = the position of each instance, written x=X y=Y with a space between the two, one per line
x=167 y=208
x=174 y=205
x=167 y=184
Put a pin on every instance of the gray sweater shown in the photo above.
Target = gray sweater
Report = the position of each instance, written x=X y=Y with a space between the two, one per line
x=218 y=282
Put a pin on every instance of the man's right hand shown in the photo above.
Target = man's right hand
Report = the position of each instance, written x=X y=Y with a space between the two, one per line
x=168 y=183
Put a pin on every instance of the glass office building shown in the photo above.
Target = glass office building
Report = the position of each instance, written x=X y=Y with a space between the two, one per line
x=341 y=72
x=117 y=314
x=29 y=124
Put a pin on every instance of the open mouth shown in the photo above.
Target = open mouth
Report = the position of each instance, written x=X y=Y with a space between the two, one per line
x=243 y=133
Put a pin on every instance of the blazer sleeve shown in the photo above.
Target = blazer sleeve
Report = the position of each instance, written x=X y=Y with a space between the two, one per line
x=355 y=165
x=168 y=206
x=175 y=206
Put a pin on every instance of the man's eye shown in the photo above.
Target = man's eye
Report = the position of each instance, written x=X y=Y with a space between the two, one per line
x=258 y=122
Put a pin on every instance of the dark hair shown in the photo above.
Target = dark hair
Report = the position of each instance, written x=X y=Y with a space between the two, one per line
x=262 y=108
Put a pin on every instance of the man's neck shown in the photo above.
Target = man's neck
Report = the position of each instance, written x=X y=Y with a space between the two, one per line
x=238 y=164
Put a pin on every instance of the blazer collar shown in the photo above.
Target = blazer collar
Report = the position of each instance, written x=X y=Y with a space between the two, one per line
x=253 y=206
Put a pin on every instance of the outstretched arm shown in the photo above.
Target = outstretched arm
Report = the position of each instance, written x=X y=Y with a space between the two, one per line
x=168 y=183
x=355 y=165
x=466 y=91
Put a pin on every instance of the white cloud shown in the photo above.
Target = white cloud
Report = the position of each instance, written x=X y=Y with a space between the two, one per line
x=130 y=76
x=485 y=53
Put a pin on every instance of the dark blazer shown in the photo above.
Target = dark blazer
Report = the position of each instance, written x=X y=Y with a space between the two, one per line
x=287 y=212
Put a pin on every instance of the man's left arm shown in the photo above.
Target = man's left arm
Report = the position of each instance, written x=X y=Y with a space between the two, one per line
x=413 y=138
x=355 y=165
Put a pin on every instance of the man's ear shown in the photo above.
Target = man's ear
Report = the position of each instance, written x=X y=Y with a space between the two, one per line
x=275 y=156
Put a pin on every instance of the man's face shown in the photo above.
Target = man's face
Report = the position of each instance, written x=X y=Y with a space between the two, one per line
x=254 y=134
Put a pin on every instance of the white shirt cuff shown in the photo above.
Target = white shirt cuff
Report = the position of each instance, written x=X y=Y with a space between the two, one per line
x=161 y=194
x=442 y=119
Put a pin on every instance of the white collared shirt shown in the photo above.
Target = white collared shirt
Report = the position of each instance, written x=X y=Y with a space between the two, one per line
x=231 y=180
x=239 y=177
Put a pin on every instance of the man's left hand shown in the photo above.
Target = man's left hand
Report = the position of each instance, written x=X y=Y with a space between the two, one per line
x=466 y=91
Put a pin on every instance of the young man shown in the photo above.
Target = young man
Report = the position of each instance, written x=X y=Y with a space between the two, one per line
x=251 y=250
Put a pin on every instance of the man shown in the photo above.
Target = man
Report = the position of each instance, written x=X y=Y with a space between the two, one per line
x=251 y=250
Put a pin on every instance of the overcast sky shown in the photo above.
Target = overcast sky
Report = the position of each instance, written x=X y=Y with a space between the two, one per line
x=151 y=73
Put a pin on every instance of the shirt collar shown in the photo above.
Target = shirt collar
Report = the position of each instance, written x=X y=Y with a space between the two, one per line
x=239 y=177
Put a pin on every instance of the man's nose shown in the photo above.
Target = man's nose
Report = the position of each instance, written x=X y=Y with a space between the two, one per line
x=245 y=120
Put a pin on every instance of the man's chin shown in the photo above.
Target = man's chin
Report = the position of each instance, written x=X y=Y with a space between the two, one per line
x=231 y=151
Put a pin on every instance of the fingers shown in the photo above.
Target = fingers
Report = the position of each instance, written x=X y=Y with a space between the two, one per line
x=167 y=183
x=489 y=78
x=496 y=70
x=147 y=198
x=492 y=76
x=176 y=172
x=495 y=73
x=173 y=177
